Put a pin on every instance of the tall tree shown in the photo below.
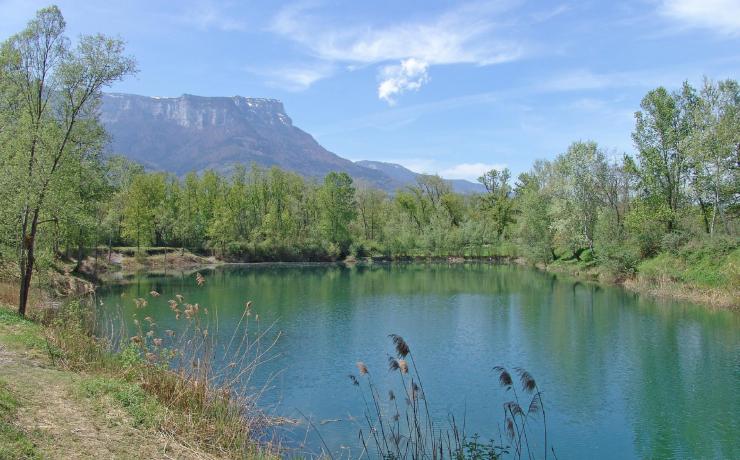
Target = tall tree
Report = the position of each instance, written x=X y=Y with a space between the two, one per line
x=661 y=132
x=715 y=151
x=497 y=203
x=369 y=208
x=50 y=91
x=337 y=197
x=579 y=187
x=141 y=214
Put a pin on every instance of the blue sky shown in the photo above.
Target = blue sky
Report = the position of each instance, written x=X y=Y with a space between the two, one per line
x=439 y=86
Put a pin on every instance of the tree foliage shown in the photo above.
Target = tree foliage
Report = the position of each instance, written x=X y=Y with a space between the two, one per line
x=49 y=91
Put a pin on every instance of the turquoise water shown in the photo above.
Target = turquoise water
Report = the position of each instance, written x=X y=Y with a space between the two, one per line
x=623 y=376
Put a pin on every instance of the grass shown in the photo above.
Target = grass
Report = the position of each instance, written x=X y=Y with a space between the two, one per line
x=145 y=410
x=163 y=381
x=706 y=266
x=707 y=272
x=14 y=443
x=21 y=333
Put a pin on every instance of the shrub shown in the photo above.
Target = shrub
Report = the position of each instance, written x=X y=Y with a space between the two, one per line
x=673 y=241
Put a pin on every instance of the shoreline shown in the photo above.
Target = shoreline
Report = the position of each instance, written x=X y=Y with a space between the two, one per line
x=710 y=298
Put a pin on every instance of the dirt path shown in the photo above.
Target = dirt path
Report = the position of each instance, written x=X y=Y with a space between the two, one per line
x=64 y=424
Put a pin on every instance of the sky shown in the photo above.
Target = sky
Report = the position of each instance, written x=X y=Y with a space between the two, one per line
x=448 y=87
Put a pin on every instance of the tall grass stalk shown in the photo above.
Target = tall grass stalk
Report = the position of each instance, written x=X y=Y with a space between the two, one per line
x=407 y=430
x=201 y=379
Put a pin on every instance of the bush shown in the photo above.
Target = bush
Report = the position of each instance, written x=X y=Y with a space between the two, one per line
x=646 y=225
x=358 y=249
x=587 y=256
x=673 y=241
x=702 y=263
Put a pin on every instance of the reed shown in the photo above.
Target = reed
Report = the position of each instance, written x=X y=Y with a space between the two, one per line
x=200 y=378
x=407 y=430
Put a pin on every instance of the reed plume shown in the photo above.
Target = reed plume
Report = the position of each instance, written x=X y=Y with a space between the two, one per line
x=402 y=347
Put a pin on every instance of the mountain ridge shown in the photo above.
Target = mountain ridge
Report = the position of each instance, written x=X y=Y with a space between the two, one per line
x=195 y=133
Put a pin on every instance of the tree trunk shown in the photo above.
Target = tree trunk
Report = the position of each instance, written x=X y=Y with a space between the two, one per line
x=27 y=264
x=80 y=251
x=703 y=207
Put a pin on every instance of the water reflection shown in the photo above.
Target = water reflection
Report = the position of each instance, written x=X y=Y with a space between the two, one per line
x=623 y=376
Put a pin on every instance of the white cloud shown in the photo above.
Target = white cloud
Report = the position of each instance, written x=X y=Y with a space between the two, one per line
x=469 y=171
x=206 y=15
x=462 y=35
x=582 y=79
x=721 y=15
x=295 y=77
x=468 y=34
x=409 y=75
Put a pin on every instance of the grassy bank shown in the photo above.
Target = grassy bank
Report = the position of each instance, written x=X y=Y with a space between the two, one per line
x=704 y=274
x=66 y=394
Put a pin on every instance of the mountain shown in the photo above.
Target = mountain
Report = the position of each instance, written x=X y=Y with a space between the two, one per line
x=195 y=133
x=407 y=176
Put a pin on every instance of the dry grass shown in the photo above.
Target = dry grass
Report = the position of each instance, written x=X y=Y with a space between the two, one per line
x=721 y=299
x=9 y=295
x=206 y=404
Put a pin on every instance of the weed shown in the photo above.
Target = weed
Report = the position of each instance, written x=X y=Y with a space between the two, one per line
x=145 y=410
x=14 y=443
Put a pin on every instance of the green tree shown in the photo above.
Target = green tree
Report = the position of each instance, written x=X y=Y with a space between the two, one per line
x=662 y=129
x=497 y=203
x=534 y=231
x=50 y=92
x=141 y=213
x=579 y=188
x=369 y=212
x=337 y=198
x=715 y=152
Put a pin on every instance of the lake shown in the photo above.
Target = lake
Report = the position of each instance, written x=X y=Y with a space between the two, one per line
x=622 y=376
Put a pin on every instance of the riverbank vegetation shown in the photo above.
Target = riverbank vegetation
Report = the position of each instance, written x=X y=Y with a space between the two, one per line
x=160 y=387
x=408 y=430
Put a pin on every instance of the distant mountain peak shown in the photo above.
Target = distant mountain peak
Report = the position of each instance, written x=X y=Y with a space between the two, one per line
x=195 y=133
x=405 y=175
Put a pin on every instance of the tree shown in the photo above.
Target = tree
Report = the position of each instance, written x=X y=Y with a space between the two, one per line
x=497 y=203
x=50 y=92
x=579 y=188
x=140 y=214
x=534 y=231
x=714 y=150
x=369 y=208
x=661 y=132
x=337 y=198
